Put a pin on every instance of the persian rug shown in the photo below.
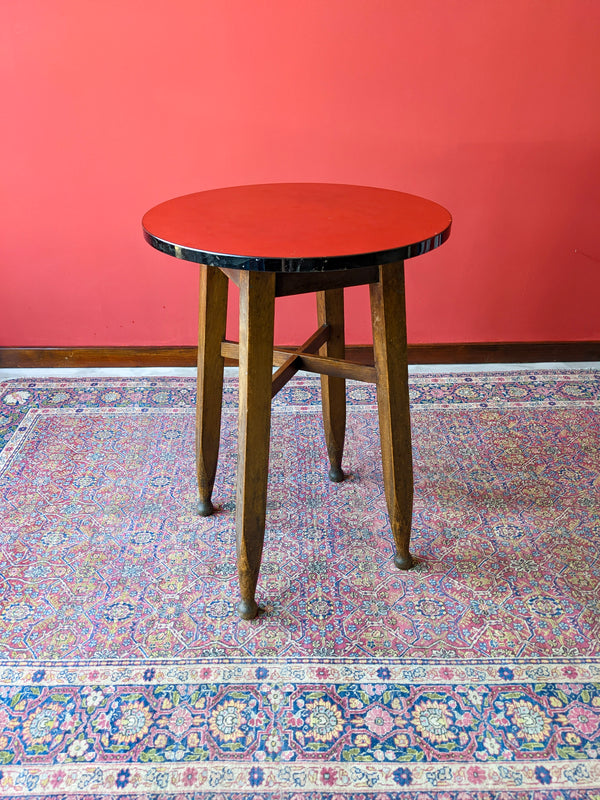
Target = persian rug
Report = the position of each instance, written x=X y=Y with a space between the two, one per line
x=124 y=670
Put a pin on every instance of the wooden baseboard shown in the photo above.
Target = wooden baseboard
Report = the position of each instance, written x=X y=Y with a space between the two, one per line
x=453 y=353
x=50 y=357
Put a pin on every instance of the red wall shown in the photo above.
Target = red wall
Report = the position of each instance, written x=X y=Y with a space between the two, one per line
x=491 y=107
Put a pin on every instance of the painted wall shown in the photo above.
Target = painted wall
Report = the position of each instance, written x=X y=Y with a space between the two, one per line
x=490 y=107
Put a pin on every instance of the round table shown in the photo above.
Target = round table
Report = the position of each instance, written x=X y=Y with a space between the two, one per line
x=291 y=238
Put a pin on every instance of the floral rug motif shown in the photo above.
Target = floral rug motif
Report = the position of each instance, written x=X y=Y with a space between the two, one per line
x=124 y=670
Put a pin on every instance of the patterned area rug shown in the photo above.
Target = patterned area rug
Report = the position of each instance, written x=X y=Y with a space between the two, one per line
x=125 y=671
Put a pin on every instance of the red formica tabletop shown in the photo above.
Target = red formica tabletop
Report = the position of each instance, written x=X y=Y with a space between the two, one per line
x=296 y=227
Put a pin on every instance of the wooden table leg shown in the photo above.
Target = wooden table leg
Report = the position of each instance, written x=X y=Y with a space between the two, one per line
x=257 y=307
x=388 y=316
x=211 y=332
x=330 y=311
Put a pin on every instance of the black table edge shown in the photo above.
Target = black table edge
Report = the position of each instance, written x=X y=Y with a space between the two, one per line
x=319 y=264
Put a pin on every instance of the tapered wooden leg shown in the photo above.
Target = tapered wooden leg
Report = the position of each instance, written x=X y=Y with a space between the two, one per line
x=388 y=316
x=330 y=311
x=257 y=305
x=211 y=332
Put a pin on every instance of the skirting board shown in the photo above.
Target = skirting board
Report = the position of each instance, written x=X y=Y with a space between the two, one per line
x=453 y=353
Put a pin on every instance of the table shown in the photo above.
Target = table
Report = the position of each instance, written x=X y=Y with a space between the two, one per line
x=280 y=239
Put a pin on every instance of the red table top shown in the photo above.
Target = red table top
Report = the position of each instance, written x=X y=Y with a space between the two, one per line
x=296 y=226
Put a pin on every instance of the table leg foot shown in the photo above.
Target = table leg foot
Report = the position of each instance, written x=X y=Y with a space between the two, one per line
x=205 y=508
x=247 y=609
x=336 y=475
x=404 y=562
